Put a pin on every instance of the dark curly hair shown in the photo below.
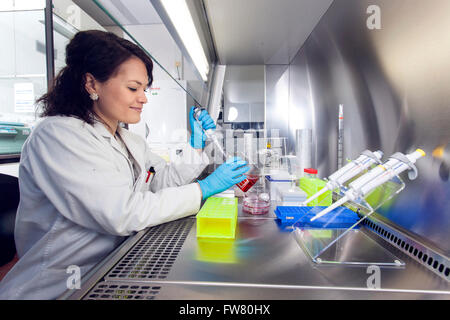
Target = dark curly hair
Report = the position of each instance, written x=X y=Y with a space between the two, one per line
x=97 y=52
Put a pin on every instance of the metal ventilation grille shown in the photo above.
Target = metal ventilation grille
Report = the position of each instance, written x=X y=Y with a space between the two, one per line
x=423 y=255
x=154 y=255
x=119 y=291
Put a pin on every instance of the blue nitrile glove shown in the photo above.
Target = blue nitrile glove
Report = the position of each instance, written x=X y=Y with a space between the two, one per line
x=198 y=137
x=225 y=176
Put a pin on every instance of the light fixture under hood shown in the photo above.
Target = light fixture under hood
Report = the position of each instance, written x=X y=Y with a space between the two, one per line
x=181 y=18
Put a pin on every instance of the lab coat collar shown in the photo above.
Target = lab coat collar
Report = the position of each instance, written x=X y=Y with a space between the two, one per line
x=104 y=132
x=101 y=128
x=128 y=138
x=133 y=143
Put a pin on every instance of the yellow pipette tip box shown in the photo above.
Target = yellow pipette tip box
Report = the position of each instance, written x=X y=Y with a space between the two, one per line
x=217 y=218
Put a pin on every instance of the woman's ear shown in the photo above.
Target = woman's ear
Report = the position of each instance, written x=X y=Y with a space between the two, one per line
x=90 y=83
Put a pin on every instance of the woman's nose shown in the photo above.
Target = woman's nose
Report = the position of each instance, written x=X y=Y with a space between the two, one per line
x=142 y=98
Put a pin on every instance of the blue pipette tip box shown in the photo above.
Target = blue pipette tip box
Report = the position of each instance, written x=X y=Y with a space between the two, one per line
x=341 y=217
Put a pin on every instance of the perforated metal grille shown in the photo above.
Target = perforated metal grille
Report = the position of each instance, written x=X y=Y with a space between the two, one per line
x=426 y=257
x=122 y=291
x=154 y=255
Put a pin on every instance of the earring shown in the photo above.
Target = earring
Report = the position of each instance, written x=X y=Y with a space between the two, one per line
x=94 y=96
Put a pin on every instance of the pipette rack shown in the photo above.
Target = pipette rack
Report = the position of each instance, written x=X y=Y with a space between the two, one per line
x=333 y=249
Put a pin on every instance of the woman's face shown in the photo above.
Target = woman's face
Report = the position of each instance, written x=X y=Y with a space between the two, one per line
x=121 y=98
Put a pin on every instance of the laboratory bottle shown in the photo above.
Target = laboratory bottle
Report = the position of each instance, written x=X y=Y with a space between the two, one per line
x=310 y=173
x=311 y=185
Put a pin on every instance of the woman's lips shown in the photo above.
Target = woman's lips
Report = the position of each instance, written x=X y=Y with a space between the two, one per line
x=136 y=109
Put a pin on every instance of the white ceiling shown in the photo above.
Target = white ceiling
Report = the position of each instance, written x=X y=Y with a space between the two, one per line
x=262 y=31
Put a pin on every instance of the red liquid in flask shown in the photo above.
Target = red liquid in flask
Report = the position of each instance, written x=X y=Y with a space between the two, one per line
x=246 y=184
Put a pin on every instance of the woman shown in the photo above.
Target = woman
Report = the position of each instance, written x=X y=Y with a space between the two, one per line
x=85 y=182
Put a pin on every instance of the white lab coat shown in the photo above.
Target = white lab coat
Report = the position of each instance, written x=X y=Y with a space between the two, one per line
x=78 y=201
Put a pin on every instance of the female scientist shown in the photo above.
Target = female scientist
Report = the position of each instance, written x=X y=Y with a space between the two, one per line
x=86 y=182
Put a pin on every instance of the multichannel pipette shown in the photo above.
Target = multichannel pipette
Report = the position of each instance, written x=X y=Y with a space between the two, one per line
x=359 y=188
x=350 y=170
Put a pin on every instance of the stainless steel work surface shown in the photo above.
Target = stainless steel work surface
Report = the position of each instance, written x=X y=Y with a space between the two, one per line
x=263 y=255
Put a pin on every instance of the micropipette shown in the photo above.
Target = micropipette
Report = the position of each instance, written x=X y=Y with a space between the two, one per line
x=251 y=179
x=350 y=170
x=210 y=134
x=359 y=188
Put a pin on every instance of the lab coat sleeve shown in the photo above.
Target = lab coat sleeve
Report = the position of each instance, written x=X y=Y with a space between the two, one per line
x=77 y=174
x=180 y=172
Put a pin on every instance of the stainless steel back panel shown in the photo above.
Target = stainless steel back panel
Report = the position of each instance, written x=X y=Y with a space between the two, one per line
x=393 y=83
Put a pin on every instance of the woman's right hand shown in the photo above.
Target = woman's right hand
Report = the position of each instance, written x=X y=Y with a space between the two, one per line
x=224 y=177
x=198 y=137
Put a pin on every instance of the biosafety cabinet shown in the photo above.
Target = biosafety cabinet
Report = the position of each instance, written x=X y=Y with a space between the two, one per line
x=277 y=72
x=281 y=70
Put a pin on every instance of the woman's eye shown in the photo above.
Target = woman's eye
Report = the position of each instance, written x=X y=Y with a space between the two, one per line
x=146 y=90
x=132 y=89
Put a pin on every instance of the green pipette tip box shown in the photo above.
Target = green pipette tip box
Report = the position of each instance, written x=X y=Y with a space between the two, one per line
x=311 y=186
x=217 y=218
